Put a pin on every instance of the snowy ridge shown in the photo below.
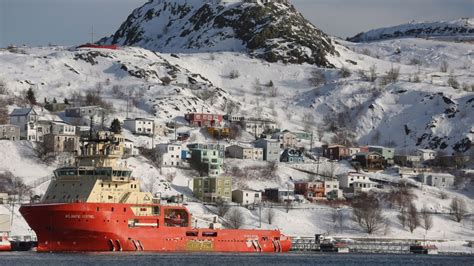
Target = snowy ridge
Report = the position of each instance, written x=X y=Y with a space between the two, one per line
x=274 y=31
x=457 y=28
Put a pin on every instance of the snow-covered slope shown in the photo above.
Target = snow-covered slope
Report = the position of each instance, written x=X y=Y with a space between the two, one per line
x=456 y=29
x=274 y=31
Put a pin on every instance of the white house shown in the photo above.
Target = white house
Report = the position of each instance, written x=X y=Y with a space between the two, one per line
x=439 y=180
x=84 y=111
x=139 y=126
x=331 y=189
x=346 y=180
x=44 y=127
x=242 y=152
x=26 y=119
x=168 y=154
x=258 y=126
x=130 y=148
x=426 y=155
x=362 y=186
x=353 y=151
x=246 y=197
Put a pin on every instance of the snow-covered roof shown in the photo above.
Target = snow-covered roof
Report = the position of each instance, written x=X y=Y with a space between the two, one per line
x=22 y=111
x=138 y=119
x=445 y=175
x=426 y=151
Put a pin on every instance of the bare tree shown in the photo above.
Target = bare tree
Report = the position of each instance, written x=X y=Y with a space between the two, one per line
x=3 y=88
x=402 y=217
x=235 y=218
x=270 y=215
x=317 y=78
x=372 y=73
x=368 y=213
x=3 y=112
x=345 y=72
x=222 y=208
x=308 y=121
x=452 y=82
x=413 y=220
x=426 y=219
x=444 y=66
x=234 y=74
x=458 y=209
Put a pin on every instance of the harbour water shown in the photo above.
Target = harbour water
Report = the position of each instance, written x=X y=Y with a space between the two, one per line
x=33 y=258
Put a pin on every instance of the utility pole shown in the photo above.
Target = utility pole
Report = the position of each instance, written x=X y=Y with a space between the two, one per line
x=128 y=98
x=260 y=214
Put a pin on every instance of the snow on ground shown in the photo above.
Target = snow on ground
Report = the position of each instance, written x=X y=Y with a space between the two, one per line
x=418 y=105
x=19 y=158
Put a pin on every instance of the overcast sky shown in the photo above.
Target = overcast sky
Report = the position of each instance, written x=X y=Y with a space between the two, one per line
x=68 y=22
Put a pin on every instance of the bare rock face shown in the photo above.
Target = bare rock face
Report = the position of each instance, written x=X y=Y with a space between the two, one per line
x=272 y=30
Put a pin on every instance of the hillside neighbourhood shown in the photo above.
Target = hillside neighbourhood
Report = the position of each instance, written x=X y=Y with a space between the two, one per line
x=376 y=141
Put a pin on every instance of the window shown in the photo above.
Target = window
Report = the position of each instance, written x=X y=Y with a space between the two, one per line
x=211 y=234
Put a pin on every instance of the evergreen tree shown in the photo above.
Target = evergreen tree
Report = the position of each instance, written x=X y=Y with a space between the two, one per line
x=115 y=126
x=30 y=96
x=66 y=101
x=54 y=100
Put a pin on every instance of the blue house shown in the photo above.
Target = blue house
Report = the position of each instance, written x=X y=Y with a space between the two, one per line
x=292 y=156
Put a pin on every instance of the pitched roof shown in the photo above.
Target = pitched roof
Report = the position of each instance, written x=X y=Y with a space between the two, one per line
x=22 y=111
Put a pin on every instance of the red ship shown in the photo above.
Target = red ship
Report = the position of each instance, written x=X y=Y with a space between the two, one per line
x=96 y=205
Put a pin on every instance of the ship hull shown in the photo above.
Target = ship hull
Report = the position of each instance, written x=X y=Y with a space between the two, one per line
x=82 y=227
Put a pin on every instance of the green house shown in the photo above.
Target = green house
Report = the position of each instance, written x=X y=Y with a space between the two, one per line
x=213 y=188
x=207 y=159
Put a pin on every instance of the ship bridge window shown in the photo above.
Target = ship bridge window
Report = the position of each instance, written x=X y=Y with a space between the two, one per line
x=212 y=234
x=176 y=218
x=192 y=233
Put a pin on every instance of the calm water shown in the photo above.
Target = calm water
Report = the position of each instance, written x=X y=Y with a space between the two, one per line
x=31 y=258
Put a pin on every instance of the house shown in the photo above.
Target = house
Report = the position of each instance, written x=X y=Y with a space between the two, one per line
x=168 y=155
x=84 y=111
x=353 y=151
x=346 y=180
x=246 y=196
x=4 y=198
x=310 y=190
x=426 y=154
x=26 y=119
x=372 y=161
x=130 y=148
x=219 y=132
x=286 y=139
x=302 y=135
x=56 y=107
x=279 y=195
x=336 y=152
x=57 y=143
x=271 y=149
x=243 y=152
x=331 y=189
x=9 y=132
x=405 y=172
x=387 y=153
x=439 y=180
x=292 y=156
x=207 y=158
x=140 y=126
x=203 y=119
x=358 y=187
x=407 y=160
x=213 y=188
x=258 y=126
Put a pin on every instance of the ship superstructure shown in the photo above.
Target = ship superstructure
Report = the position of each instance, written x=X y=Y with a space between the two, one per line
x=94 y=204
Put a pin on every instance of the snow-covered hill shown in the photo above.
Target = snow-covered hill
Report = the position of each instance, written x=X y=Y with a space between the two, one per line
x=274 y=31
x=457 y=29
